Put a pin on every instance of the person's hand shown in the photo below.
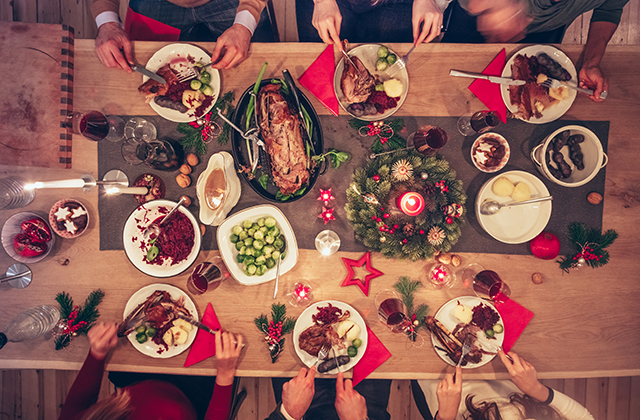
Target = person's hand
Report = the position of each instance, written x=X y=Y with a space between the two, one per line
x=426 y=21
x=228 y=347
x=111 y=42
x=327 y=20
x=102 y=338
x=524 y=376
x=504 y=24
x=297 y=394
x=592 y=78
x=449 y=393
x=349 y=404
x=232 y=47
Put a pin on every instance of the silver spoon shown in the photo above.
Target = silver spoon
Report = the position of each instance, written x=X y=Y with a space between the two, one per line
x=275 y=292
x=155 y=227
x=490 y=207
x=18 y=276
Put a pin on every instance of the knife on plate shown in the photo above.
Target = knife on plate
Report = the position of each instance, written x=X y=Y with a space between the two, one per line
x=196 y=323
x=148 y=73
x=492 y=79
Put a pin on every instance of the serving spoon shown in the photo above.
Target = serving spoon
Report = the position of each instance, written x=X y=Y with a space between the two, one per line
x=155 y=227
x=490 y=207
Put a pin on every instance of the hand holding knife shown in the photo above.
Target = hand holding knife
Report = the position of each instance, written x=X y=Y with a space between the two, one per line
x=200 y=325
x=148 y=73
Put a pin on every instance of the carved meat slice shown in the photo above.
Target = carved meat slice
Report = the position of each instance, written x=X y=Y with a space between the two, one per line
x=281 y=131
x=355 y=87
x=150 y=89
x=530 y=98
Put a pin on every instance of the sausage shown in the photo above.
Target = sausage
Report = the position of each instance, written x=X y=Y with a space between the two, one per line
x=330 y=364
x=553 y=67
x=166 y=102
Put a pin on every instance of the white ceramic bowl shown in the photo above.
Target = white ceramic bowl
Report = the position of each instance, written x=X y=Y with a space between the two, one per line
x=594 y=157
x=503 y=161
x=12 y=227
x=229 y=252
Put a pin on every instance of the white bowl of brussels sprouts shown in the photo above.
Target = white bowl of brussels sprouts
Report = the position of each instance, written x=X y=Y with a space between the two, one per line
x=251 y=240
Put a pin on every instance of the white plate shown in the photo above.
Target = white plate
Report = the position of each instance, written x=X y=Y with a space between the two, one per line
x=304 y=321
x=12 y=227
x=559 y=109
x=517 y=224
x=170 y=52
x=444 y=315
x=149 y=347
x=229 y=252
x=368 y=54
x=139 y=219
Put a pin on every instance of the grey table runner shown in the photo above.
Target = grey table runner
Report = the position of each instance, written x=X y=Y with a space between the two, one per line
x=569 y=204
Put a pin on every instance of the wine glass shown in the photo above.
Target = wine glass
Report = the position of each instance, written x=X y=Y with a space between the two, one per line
x=429 y=139
x=488 y=285
x=92 y=125
x=391 y=311
x=207 y=276
x=116 y=128
x=478 y=122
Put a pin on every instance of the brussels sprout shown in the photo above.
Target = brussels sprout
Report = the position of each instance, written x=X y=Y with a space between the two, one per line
x=383 y=51
x=206 y=89
x=243 y=235
x=261 y=269
x=352 y=351
x=258 y=244
x=251 y=269
x=251 y=251
x=240 y=258
x=195 y=84
x=258 y=235
x=243 y=250
x=269 y=239
x=356 y=343
x=247 y=224
x=239 y=245
x=261 y=221
x=150 y=332
x=141 y=337
x=279 y=244
x=275 y=232
x=233 y=238
x=141 y=329
x=268 y=249
x=275 y=255
x=248 y=260
x=381 y=64
x=264 y=229
x=248 y=241
x=236 y=230
x=251 y=232
x=269 y=222
x=205 y=78
x=391 y=59
x=261 y=260
x=270 y=263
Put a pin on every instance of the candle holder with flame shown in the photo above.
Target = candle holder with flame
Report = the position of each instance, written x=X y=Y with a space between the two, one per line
x=300 y=294
x=440 y=276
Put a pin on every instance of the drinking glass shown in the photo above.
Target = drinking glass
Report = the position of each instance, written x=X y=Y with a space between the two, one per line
x=429 y=139
x=207 y=276
x=139 y=129
x=160 y=154
x=477 y=123
x=327 y=242
x=469 y=272
x=92 y=125
x=300 y=294
x=440 y=276
x=488 y=285
x=116 y=128
x=391 y=311
x=13 y=195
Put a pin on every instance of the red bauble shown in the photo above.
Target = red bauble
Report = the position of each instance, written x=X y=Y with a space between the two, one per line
x=546 y=246
x=449 y=220
x=386 y=215
x=376 y=178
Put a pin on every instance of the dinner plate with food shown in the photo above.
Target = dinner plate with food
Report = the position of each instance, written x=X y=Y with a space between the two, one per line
x=363 y=87
x=516 y=224
x=334 y=323
x=169 y=253
x=181 y=101
x=533 y=102
x=285 y=171
x=471 y=319
x=151 y=321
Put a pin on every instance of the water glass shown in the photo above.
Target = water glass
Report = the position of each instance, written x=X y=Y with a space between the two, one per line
x=207 y=276
x=478 y=122
x=13 y=195
x=139 y=130
x=327 y=242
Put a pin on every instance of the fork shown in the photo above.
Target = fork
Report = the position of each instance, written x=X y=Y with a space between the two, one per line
x=465 y=350
x=550 y=83
x=187 y=74
x=399 y=64
x=322 y=354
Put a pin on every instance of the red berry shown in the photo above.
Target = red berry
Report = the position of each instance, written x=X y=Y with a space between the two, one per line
x=376 y=178
x=386 y=215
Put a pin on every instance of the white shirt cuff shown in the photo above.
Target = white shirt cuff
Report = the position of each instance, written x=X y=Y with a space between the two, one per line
x=246 y=19
x=285 y=414
x=106 y=17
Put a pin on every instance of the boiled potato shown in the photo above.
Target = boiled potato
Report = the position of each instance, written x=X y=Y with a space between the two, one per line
x=463 y=313
x=351 y=327
x=521 y=192
x=503 y=187
x=192 y=98
x=168 y=338
x=183 y=324
x=179 y=335
x=393 y=88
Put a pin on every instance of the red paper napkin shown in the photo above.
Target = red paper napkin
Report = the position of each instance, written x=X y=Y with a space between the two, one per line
x=204 y=345
x=375 y=355
x=516 y=318
x=489 y=93
x=142 y=28
x=318 y=79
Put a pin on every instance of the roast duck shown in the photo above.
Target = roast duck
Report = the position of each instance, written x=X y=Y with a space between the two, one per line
x=356 y=86
x=159 y=309
x=150 y=89
x=282 y=133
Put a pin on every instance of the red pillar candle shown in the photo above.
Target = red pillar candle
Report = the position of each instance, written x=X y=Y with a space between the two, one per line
x=411 y=203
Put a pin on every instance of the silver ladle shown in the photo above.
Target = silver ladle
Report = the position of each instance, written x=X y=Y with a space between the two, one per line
x=490 y=207
x=18 y=276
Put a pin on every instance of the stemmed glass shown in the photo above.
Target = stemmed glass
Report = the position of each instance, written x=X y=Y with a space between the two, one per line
x=392 y=312
x=136 y=132
x=488 y=285
x=116 y=128
x=92 y=125
x=477 y=123
x=429 y=139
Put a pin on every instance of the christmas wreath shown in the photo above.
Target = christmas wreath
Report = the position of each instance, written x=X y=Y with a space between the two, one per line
x=378 y=222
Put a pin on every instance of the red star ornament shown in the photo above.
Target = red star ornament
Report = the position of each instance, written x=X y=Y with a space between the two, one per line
x=363 y=285
x=326 y=215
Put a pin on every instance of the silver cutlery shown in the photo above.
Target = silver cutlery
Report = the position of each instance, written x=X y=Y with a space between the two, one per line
x=148 y=73
x=550 y=83
x=275 y=292
x=465 y=350
x=322 y=354
x=492 y=79
x=399 y=64
x=490 y=207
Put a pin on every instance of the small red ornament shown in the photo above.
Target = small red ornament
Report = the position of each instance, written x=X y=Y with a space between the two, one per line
x=386 y=215
x=326 y=215
x=325 y=196
x=363 y=285
x=376 y=178
x=421 y=232
x=449 y=220
x=405 y=240
x=396 y=226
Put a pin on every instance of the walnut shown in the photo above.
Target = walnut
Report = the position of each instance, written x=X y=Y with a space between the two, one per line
x=444 y=258
x=186 y=202
x=456 y=260
x=183 y=180
x=594 y=198
x=185 y=169
x=203 y=229
x=536 y=278
x=192 y=159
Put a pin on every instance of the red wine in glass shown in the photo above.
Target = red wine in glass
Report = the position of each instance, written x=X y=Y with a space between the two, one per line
x=94 y=125
x=483 y=121
x=206 y=276
x=392 y=310
x=428 y=140
x=487 y=284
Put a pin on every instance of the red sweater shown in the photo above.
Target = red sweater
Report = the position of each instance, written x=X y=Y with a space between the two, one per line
x=152 y=400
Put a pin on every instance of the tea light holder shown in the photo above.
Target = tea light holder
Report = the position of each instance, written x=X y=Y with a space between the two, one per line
x=301 y=294
x=440 y=276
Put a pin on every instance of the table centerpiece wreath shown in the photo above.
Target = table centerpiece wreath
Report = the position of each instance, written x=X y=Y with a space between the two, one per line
x=381 y=226
x=75 y=320
x=275 y=329
x=199 y=133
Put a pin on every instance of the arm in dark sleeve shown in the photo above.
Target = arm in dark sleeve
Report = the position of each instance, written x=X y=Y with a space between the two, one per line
x=220 y=404
x=85 y=389
x=609 y=11
x=276 y=414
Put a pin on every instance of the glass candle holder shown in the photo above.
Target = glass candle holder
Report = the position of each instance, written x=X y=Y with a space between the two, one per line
x=327 y=242
x=440 y=276
x=300 y=294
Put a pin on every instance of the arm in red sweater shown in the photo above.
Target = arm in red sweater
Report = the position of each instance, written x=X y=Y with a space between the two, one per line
x=220 y=405
x=85 y=389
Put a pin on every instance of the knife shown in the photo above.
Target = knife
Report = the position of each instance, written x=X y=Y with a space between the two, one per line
x=196 y=323
x=492 y=79
x=148 y=73
x=294 y=91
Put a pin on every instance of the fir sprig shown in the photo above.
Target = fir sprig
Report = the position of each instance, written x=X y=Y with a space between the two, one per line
x=193 y=135
x=87 y=314
x=276 y=343
x=590 y=244
x=393 y=142
x=407 y=288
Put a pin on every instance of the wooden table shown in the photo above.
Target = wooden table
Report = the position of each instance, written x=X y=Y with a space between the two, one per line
x=586 y=323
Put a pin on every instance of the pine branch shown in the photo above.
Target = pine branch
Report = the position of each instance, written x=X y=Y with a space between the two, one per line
x=288 y=324
x=89 y=313
x=262 y=323
x=608 y=238
x=66 y=304
x=407 y=287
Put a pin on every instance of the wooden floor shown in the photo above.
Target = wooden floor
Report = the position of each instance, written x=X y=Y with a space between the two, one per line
x=39 y=394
